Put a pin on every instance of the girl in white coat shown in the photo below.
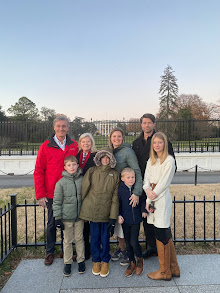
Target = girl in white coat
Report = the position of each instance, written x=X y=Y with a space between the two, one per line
x=158 y=176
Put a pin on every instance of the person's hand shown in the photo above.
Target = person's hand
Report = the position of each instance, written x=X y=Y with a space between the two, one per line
x=42 y=202
x=111 y=226
x=144 y=215
x=59 y=224
x=134 y=200
x=120 y=220
x=151 y=194
x=148 y=208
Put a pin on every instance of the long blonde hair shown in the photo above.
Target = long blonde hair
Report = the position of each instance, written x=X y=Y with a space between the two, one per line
x=93 y=147
x=153 y=154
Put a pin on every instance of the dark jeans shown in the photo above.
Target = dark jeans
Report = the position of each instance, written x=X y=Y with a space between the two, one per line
x=149 y=234
x=163 y=234
x=131 y=233
x=100 y=244
x=86 y=233
x=51 y=228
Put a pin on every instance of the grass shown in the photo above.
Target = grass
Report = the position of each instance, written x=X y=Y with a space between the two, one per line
x=189 y=191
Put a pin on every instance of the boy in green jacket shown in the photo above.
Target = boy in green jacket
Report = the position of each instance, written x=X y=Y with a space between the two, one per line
x=66 y=209
x=100 y=206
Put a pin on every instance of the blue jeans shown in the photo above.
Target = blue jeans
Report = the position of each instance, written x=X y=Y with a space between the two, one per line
x=99 y=243
x=131 y=233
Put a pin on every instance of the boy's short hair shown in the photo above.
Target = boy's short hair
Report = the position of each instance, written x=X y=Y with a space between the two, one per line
x=70 y=159
x=126 y=170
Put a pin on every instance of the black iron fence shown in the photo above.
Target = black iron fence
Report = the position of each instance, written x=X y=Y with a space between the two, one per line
x=201 y=225
x=24 y=138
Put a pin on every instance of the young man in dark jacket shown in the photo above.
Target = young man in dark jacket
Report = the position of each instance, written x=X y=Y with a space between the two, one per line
x=141 y=147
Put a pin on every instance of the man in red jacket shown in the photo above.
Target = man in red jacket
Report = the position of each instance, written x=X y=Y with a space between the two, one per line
x=48 y=170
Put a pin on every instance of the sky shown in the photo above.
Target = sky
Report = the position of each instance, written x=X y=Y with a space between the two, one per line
x=103 y=59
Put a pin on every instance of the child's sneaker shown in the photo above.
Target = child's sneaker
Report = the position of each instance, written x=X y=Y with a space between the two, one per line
x=96 y=268
x=104 y=269
x=67 y=270
x=81 y=267
x=124 y=261
x=117 y=255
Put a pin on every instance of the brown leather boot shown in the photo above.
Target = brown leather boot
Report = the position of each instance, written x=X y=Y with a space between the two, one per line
x=174 y=267
x=130 y=269
x=164 y=272
x=139 y=266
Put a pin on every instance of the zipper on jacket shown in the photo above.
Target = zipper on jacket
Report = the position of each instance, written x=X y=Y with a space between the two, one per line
x=132 y=207
x=76 y=198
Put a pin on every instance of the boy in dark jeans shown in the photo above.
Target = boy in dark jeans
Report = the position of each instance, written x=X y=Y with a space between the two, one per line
x=130 y=218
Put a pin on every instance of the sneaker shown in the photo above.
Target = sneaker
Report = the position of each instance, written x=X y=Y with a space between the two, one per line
x=104 y=269
x=124 y=261
x=96 y=268
x=67 y=270
x=117 y=255
x=49 y=259
x=81 y=267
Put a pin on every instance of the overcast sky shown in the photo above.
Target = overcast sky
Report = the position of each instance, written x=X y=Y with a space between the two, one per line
x=103 y=59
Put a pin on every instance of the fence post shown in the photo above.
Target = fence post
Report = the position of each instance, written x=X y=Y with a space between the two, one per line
x=14 y=219
x=196 y=174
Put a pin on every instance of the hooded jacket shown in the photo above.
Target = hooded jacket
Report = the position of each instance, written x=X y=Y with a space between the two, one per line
x=67 y=197
x=50 y=164
x=125 y=157
x=100 y=191
x=131 y=215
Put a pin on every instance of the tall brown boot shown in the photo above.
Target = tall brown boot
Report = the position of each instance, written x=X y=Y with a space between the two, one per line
x=164 y=272
x=175 y=270
x=139 y=266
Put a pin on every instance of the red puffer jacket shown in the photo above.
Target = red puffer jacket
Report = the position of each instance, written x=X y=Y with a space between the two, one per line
x=50 y=164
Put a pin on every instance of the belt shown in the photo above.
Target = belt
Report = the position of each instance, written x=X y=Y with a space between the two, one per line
x=152 y=185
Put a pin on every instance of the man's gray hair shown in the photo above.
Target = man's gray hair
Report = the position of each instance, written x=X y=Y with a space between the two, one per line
x=62 y=117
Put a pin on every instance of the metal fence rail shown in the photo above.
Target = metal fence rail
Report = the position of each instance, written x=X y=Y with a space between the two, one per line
x=25 y=138
x=9 y=222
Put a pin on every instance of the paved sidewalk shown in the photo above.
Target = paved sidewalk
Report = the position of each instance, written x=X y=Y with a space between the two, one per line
x=199 y=273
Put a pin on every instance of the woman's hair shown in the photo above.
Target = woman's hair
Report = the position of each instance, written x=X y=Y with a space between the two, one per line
x=153 y=154
x=112 y=131
x=93 y=147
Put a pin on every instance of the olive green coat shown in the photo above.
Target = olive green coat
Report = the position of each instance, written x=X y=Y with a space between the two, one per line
x=67 y=197
x=100 y=194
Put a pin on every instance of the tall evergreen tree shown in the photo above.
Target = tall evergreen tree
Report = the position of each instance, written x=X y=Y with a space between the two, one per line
x=169 y=93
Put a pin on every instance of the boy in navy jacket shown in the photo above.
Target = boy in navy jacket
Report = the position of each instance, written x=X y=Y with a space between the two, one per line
x=130 y=218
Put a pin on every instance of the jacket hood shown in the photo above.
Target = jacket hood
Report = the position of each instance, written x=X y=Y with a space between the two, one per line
x=76 y=175
x=105 y=152
x=124 y=186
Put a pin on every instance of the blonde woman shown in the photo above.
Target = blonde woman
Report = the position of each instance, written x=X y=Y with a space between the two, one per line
x=158 y=176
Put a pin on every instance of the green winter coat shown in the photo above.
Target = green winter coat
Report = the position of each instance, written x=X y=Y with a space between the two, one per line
x=125 y=157
x=100 y=194
x=67 y=197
